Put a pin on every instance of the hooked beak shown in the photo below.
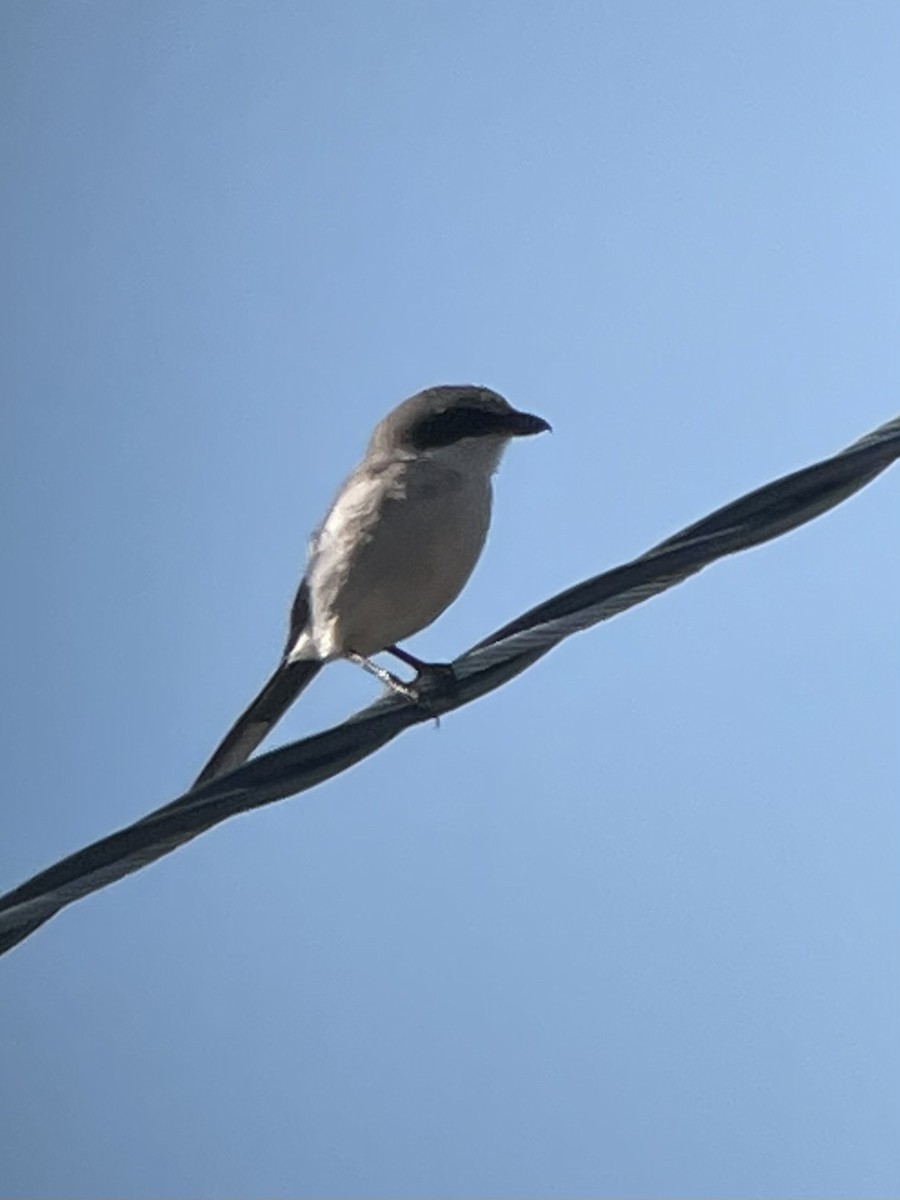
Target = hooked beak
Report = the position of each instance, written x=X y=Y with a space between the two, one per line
x=523 y=424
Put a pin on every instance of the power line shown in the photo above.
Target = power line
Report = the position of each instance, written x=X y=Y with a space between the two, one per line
x=761 y=515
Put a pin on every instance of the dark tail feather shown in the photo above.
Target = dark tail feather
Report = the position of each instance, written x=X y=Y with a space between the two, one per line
x=276 y=697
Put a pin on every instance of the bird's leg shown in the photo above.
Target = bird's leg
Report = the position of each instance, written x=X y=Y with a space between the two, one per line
x=389 y=680
x=438 y=672
x=410 y=659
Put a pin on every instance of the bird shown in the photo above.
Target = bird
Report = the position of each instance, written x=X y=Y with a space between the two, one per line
x=394 y=550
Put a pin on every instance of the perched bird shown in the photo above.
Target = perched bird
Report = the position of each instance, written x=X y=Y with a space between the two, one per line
x=395 y=549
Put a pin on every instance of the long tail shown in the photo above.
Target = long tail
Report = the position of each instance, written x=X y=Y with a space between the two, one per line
x=276 y=697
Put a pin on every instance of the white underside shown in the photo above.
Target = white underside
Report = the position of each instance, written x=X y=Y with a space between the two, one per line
x=396 y=548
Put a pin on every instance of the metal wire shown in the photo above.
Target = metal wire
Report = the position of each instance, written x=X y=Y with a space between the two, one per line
x=766 y=513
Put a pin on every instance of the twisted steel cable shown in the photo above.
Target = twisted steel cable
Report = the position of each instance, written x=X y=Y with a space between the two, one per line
x=766 y=513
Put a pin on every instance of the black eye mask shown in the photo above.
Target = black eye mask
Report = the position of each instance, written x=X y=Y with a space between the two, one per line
x=445 y=428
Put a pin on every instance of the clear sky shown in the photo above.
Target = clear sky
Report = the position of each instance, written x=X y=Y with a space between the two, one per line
x=628 y=927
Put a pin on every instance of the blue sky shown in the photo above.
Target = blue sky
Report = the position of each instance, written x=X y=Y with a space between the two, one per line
x=627 y=927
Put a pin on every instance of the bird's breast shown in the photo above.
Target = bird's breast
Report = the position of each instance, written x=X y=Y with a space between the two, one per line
x=396 y=549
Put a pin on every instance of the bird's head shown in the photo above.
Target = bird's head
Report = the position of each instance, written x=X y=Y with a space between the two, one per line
x=456 y=422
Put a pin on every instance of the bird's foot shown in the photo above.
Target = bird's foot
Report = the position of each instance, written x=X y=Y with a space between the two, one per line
x=429 y=678
x=432 y=678
x=428 y=675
